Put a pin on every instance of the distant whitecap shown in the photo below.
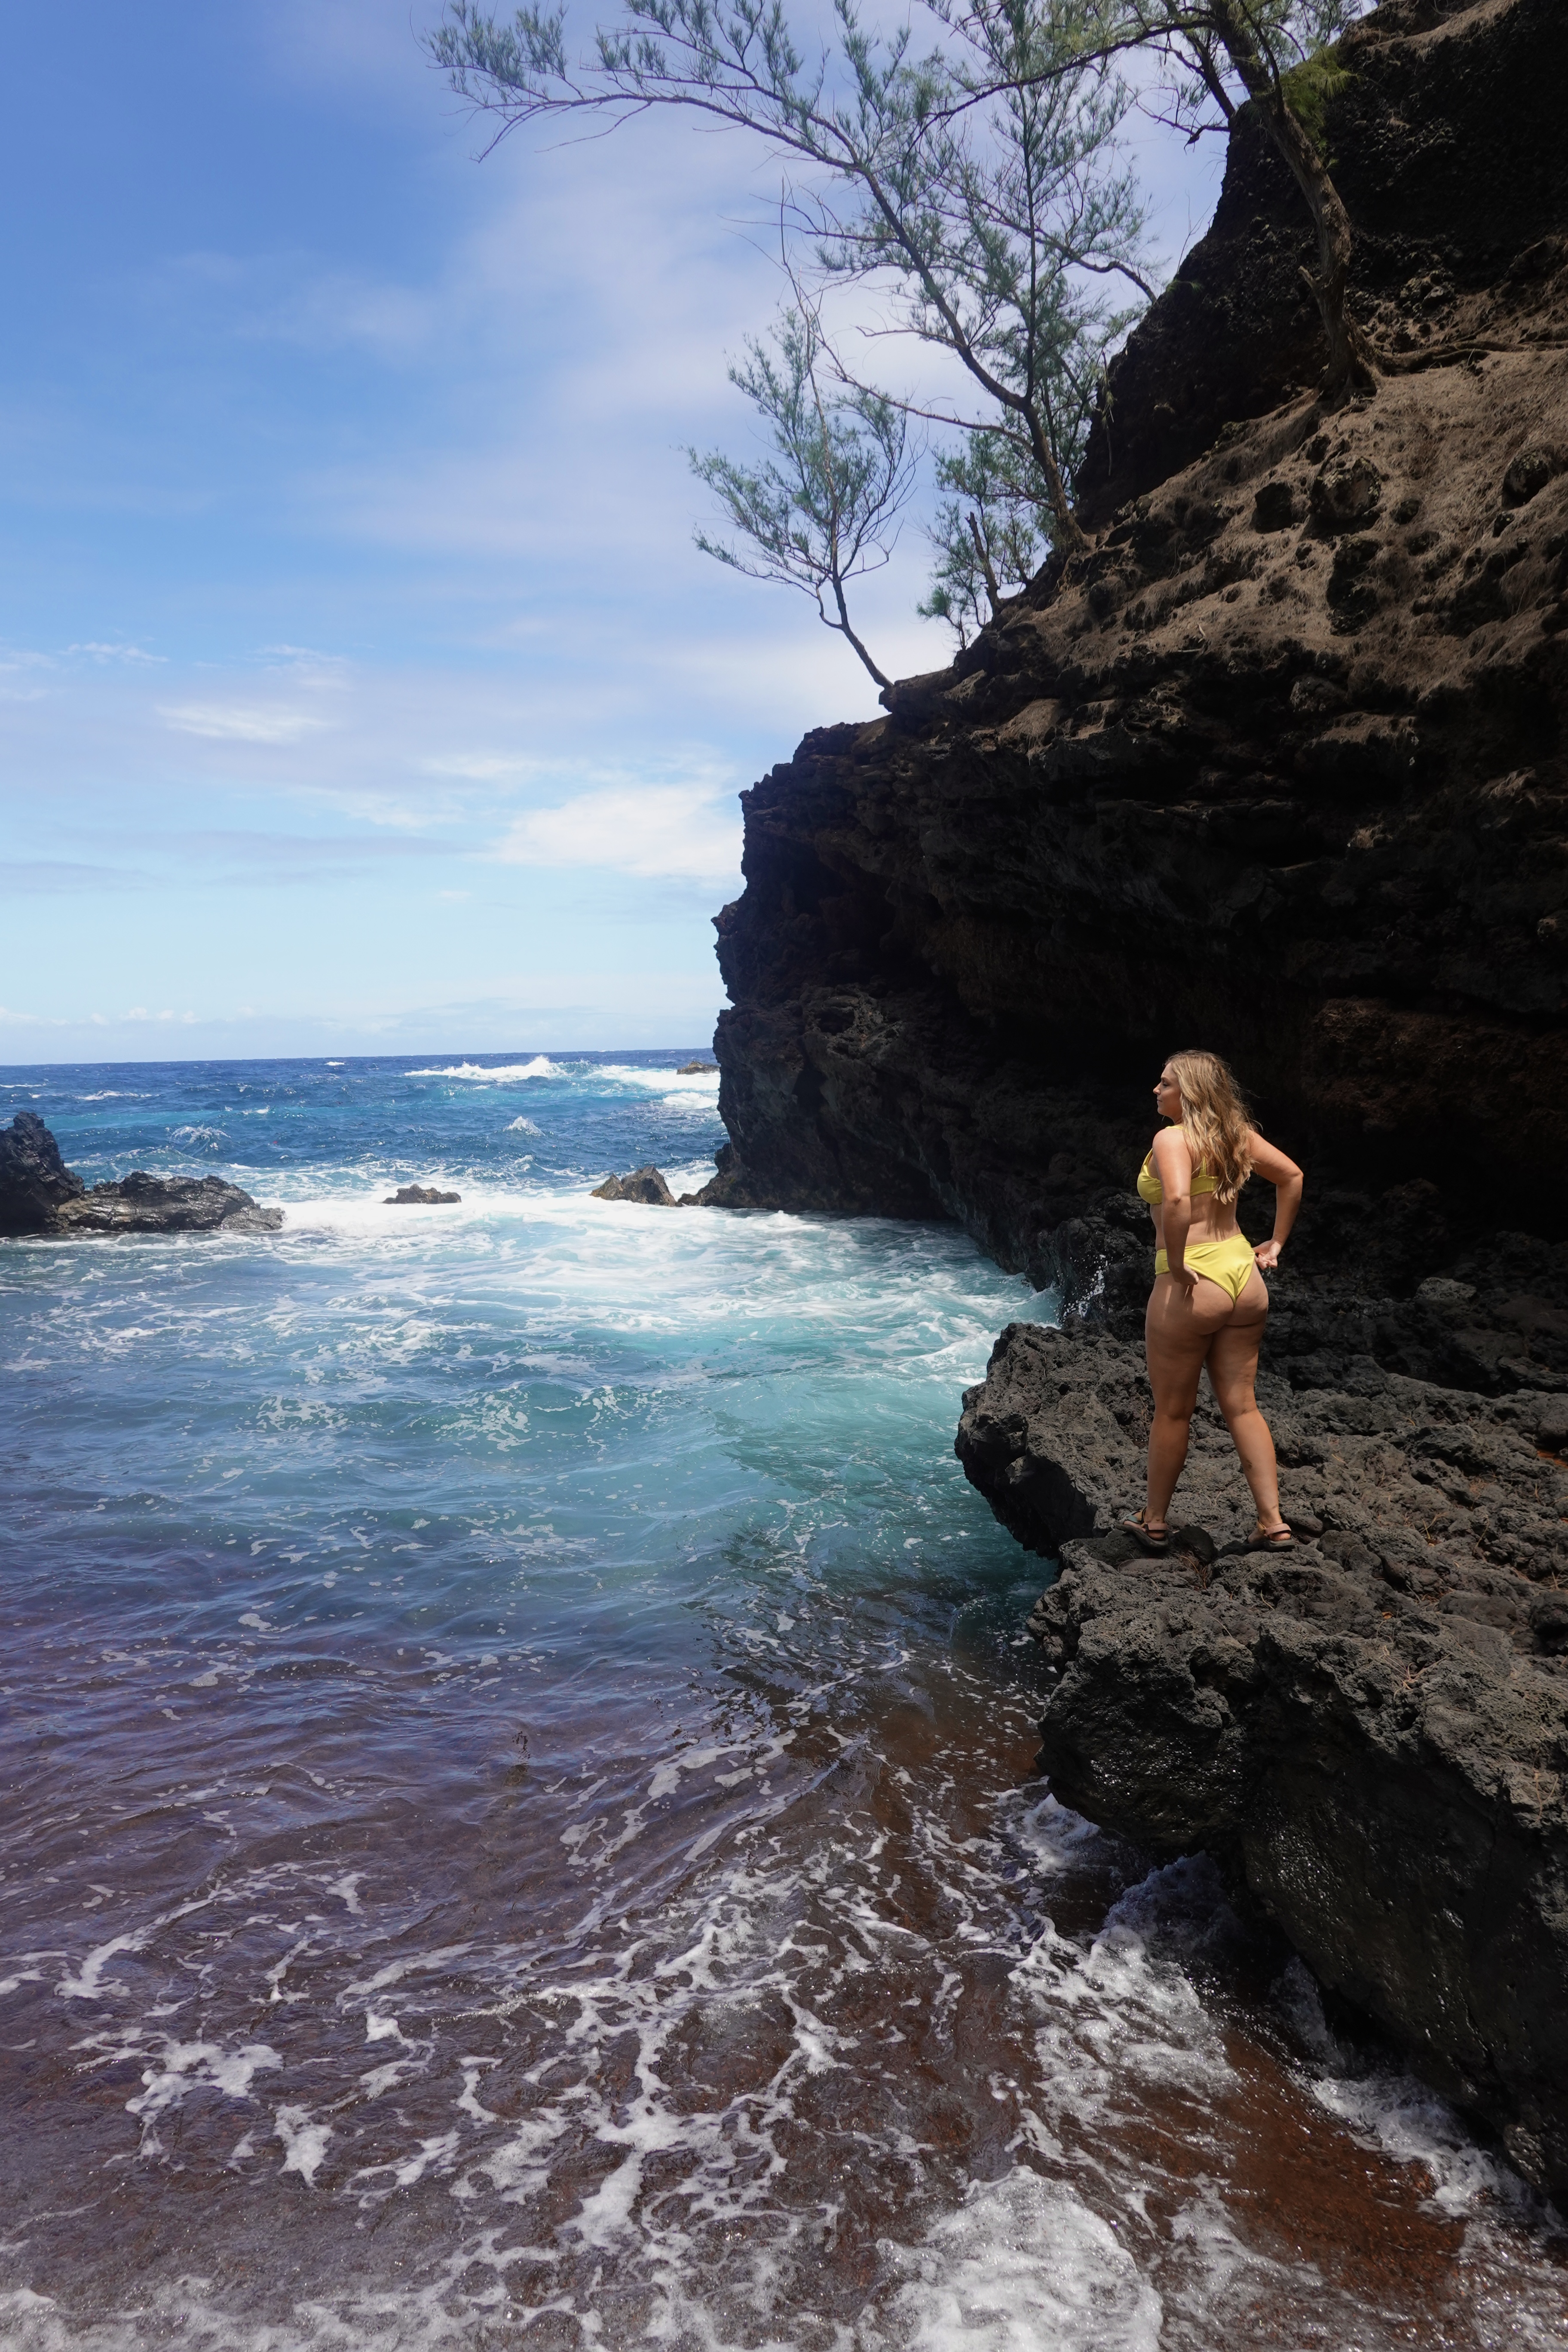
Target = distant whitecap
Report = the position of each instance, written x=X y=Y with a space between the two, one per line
x=541 y=1067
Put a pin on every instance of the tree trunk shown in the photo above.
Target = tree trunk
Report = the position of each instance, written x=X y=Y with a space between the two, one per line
x=1068 y=534
x=983 y=553
x=1351 y=364
x=842 y=625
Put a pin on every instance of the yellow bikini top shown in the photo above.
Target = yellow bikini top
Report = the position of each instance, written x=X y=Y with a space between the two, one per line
x=1150 y=1188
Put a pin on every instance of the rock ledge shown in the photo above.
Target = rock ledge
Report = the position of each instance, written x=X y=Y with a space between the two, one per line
x=1370 y=1732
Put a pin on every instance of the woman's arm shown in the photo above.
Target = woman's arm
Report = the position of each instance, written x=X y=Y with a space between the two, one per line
x=1173 y=1167
x=1288 y=1182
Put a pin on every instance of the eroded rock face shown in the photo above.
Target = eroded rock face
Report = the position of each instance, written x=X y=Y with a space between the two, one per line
x=35 y=1182
x=1372 y=1730
x=1449 y=156
x=1276 y=769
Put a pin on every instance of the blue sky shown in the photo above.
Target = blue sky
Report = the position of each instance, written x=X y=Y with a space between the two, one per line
x=360 y=686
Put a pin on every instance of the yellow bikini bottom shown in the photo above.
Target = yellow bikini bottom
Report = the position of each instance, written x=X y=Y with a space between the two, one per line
x=1229 y=1262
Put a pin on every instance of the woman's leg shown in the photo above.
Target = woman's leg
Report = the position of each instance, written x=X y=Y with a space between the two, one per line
x=1177 y=1332
x=1233 y=1370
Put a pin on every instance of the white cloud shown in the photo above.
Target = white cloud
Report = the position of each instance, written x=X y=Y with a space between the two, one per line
x=658 y=832
x=221 y=722
x=107 y=653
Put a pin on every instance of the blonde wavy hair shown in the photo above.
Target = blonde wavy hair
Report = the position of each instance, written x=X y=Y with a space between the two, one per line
x=1216 y=1120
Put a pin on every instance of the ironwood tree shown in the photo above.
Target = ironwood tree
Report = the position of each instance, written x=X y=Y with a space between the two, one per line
x=977 y=183
x=824 y=508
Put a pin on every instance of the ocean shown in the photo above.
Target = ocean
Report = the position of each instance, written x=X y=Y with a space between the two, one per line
x=519 y=1825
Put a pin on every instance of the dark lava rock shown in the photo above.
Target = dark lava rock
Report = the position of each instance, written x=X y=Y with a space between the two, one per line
x=1298 y=796
x=1275 y=507
x=141 y=1204
x=1371 y=1731
x=697 y=1069
x=1346 y=496
x=39 y=1195
x=423 y=1196
x=645 y=1184
x=33 y=1180
x=1529 y=473
x=1448 y=154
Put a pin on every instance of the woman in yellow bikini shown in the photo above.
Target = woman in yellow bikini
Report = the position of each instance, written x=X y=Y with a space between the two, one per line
x=1210 y=1302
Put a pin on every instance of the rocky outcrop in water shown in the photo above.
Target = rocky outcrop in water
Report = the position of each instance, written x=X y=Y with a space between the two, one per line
x=421 y=1196
x=1370 y=1732
x=140 y=1203
x=35 y=1183
x=644 y=1185
x=39 y=1195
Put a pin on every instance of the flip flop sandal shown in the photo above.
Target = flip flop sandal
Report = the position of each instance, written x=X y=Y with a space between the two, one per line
x=1146 y=1537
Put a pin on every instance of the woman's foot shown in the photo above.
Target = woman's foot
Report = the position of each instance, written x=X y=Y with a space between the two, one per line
x=1278 y=1538
x=1153 y=1535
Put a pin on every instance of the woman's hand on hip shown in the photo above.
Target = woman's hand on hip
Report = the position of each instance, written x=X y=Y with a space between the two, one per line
x=1267 y=1256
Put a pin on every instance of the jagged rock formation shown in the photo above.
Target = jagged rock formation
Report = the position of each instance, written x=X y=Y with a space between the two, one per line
x=39 y=1195
x=1443 y=120
x=421 y=1196
x=1371 y=1731
x=35 y=1183
x=1276 y=769
x=645 y=1184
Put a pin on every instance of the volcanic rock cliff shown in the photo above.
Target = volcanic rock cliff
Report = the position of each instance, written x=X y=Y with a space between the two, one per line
x=1276 y=768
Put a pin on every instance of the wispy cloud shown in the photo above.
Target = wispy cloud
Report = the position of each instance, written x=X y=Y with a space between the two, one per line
x=657 y=832
x=92 y=651
x=219 y=722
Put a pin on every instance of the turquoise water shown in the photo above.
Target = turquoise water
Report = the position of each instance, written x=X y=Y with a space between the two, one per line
x=519 y=1825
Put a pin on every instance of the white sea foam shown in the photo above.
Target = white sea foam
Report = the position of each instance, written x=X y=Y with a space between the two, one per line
x=1388 y=2109
x=688 y=1091
x=520 y=1126
x=541 y=1067
x=1023 y=2265
x=178 y=2067
x=304 y=2142
x=197 y=1135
